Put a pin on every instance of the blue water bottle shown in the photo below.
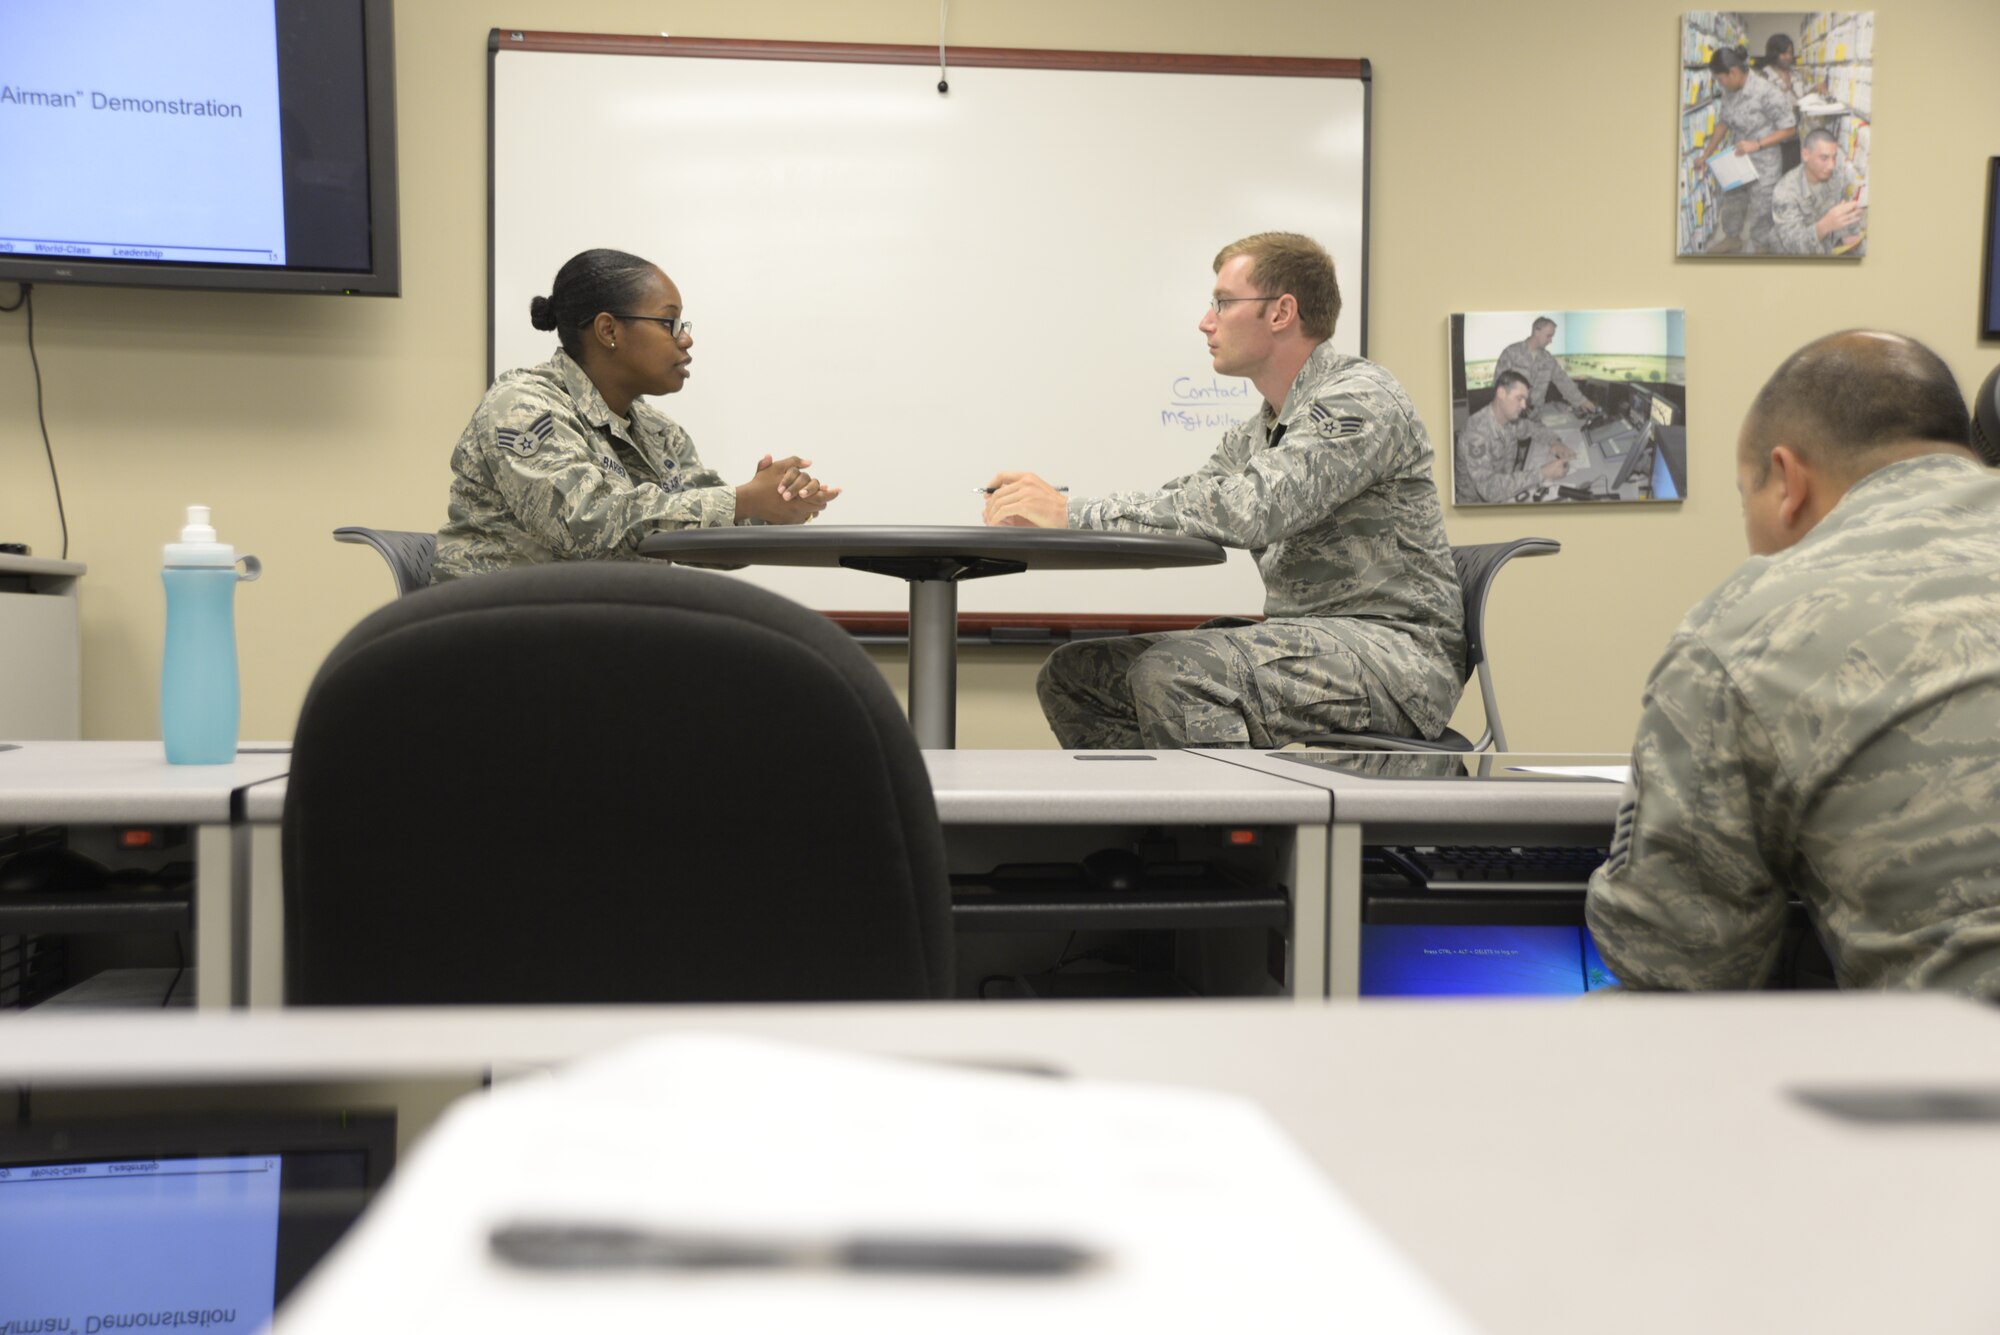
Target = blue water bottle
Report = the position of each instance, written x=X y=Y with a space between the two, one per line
x=198 y=694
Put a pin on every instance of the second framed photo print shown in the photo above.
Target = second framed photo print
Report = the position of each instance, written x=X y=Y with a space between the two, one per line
x=1775 y=132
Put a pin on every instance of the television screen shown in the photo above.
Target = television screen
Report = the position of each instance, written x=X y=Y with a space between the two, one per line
x=207 y=143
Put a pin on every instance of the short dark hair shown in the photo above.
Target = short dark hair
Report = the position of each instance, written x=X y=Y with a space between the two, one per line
x=1506 y=378
x=1541 y=320
x=593 y=281
x=1774 y=46
x=1841 y=398
x=1821 y=136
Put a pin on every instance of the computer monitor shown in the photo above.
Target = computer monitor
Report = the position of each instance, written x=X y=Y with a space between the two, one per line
x=1663 y=410
x=217 y=1219
x=1664 y=488
x=1424 y=959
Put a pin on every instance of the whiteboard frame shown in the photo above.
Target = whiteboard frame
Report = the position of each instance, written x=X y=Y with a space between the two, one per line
x=877 y=624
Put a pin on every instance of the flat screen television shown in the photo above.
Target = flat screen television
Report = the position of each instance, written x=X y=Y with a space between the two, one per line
x=233 y=144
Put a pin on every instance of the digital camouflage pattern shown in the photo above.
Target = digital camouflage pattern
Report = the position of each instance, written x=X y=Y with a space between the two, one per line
x=1797 y=205
x=1333 y=496
x=544 y=472
x=1825 y=725
x=1542 y=370
x=1792 y=91
x=1755 y=110
x=1483 y=469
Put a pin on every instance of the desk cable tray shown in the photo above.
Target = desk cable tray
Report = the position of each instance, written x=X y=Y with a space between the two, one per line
x=1486 y=867
x=1033 y=896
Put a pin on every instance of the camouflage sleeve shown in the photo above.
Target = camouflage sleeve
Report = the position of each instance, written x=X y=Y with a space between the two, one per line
x=1487 y=460
x=1326 y=458
x=549 y=473
x=1687 y=899
x=1127 y=511
x=1565 y=386
x=1791 y=211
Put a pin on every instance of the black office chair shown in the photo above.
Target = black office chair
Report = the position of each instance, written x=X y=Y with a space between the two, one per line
x=1477 y=565
x=602 y=782
x=409 y=554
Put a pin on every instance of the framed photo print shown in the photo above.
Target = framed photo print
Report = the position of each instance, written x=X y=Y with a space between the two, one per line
x=1559 y=407
x=1776 y=113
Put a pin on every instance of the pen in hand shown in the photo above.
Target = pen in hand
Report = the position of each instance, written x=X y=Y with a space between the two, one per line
x=554 y=1246
x=988 y=491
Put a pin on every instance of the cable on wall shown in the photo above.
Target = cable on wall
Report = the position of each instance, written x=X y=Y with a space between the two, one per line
x=27 y=299
x=944 y=83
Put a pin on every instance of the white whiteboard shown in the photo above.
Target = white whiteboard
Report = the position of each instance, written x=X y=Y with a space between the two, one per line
x=915 y=290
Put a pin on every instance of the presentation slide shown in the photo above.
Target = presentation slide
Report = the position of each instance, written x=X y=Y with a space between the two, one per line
x=142 y=132
x=183 y=1244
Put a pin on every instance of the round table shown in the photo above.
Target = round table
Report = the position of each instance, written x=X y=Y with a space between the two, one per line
x=934 y=560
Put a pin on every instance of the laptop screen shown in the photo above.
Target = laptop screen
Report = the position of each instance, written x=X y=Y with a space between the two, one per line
x=185 y=1226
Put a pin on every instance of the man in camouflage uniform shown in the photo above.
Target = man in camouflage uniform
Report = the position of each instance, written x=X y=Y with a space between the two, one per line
x=1812 y=209
x=1330 y=489
x=1500 y=452
x=1827 y=723
x=1531 y=359
x=1758 y=118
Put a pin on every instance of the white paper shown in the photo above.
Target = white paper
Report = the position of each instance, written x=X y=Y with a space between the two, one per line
x=1207 y=1216
x=1732 y=169
x=1613 y=773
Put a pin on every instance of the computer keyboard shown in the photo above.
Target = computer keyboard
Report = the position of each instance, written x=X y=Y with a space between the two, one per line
x=1491 y=866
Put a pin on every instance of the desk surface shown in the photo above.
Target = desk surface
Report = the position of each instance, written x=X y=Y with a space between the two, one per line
x=833 y=544
x=11 y=564
x=1635 y=1162
x=1471 y=802
x=1058 y=788
x=89 y=782
x=1088 y=787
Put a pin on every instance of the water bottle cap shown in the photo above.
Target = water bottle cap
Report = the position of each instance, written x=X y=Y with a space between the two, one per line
x=198 y=546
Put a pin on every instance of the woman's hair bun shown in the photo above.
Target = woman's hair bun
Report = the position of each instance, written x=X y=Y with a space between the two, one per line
x=542 y=313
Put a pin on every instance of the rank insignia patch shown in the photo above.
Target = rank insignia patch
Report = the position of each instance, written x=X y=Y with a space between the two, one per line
x=528 y=439
x=1332 y=425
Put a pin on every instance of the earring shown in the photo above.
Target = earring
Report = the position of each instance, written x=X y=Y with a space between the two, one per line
x=614 y=343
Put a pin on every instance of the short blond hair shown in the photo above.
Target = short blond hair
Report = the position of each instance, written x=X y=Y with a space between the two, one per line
x=1286 y=263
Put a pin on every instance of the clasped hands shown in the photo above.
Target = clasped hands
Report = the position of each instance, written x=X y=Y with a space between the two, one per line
x=1023 y=500
x=782 y=492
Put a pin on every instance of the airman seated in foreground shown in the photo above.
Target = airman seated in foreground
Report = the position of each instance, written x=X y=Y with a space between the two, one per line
x=1827 y=723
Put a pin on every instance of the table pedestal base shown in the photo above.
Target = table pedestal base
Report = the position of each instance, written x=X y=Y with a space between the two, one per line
x=934 y=663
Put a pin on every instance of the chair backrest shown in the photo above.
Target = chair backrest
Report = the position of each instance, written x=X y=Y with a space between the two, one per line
x=1477 y=565
x=409 y=554
x=602 y=782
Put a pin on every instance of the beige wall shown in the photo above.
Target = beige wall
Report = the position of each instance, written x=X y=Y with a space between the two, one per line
x=1517 y=164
